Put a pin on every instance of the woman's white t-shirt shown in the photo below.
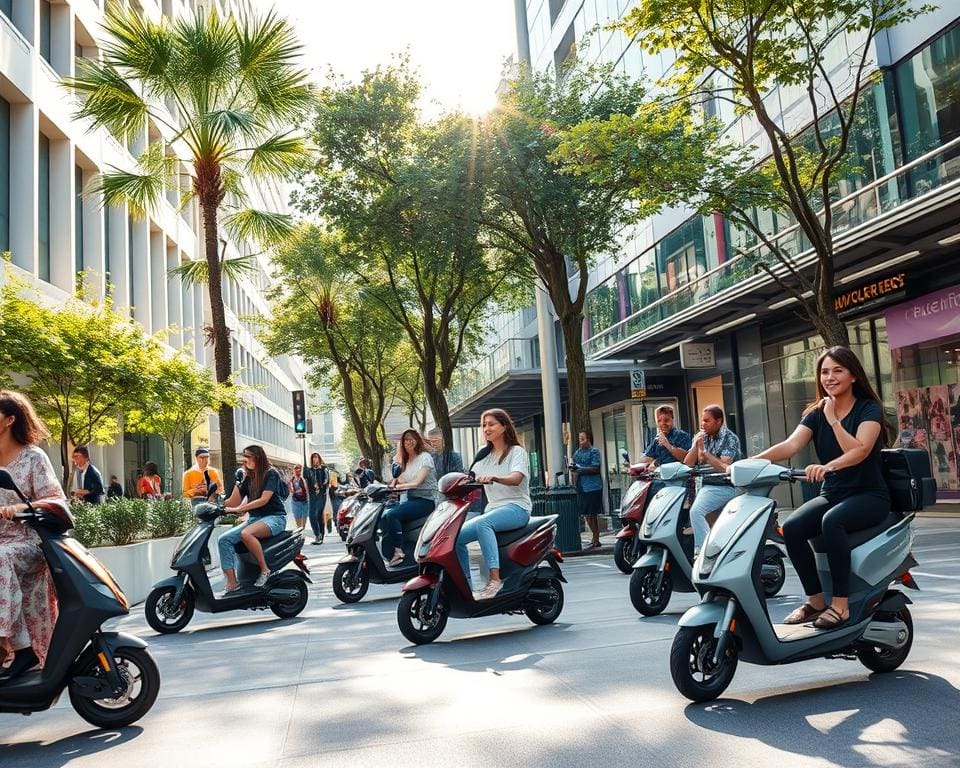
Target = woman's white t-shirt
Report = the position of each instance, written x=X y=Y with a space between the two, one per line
x=499 y=495
x=426 y=489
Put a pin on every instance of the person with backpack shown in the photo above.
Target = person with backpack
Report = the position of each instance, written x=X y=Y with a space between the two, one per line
x=318 y=478
x=299 y=497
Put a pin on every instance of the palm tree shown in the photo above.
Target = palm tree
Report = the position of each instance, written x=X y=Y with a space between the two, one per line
x=228 y=91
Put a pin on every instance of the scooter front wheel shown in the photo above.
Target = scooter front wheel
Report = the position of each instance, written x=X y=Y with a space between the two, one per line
x=416 y=624
x=692 y=667
x=646 y=597
x=626 y=552
x=141 y=680
x=348 y=585
x=163 y=615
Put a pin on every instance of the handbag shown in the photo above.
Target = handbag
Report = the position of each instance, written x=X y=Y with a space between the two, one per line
x=299 y=491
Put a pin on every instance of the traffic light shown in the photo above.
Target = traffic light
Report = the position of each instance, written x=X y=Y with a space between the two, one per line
x=299 y=412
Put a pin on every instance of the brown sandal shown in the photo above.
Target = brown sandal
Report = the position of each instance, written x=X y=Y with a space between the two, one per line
x=830 y=619
x=803 y=614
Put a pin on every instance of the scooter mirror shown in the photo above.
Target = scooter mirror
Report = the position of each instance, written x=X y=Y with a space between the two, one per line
x=238 y=475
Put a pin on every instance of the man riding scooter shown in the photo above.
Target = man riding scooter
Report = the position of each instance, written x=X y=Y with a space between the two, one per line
x=716 y=447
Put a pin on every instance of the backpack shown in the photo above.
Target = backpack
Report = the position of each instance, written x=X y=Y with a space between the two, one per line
x=909 y=478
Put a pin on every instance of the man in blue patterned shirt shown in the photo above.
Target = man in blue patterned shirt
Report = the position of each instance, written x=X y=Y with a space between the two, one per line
x=589 y=483
x=717 y=447
x=671 y=444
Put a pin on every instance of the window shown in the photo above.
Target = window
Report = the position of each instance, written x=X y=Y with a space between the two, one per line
x=43 y=213
x=4 y=176
x=78 y=216
x=45 y=30
x=6 y=8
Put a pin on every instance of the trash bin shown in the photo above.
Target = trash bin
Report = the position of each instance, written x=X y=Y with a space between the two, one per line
x=562 y=501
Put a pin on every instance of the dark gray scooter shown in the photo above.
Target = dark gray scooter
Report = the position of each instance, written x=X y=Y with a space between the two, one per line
x=171 y=602
x=731 y=622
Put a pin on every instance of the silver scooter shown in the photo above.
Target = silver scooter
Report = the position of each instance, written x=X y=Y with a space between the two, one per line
x=667 y=563
x=731 y=621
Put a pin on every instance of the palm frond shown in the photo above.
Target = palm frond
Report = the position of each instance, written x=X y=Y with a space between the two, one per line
x=139 y=47
x=264 y=227
x=231 y=123
x=279 y=155
x=141 y=189
x=107 y=99
x=198 y=272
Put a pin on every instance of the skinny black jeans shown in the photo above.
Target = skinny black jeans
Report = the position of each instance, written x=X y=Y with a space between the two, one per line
x=834 y=518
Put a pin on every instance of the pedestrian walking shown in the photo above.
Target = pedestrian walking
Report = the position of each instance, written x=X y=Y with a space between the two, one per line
x=87 y=480
x=150 y=486
x=317 y=477
x=299 y=498
x=589 y=483
x=197 y=479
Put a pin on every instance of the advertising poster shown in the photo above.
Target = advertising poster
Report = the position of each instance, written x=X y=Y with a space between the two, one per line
x=940 y=436
x=910 y=418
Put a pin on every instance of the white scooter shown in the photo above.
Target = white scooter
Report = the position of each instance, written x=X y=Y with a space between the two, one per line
x=731 y=622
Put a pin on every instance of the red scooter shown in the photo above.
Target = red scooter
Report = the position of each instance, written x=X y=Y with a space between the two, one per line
x=348 y=510
x=529 y=567
x=629 y=547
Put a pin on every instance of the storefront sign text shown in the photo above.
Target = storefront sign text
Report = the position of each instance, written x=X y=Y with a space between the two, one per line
x=933 y=316
x=694 y=355
x=870 y=292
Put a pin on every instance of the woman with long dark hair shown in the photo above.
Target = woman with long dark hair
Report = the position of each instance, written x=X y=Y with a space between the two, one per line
x=505 y=469
x=256 y=498
x=418 y=482
x=847 y=427
x=28 y=601
x=317 y=477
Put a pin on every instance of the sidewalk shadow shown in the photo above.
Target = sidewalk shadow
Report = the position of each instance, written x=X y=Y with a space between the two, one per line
x=66 y=750
x=835 y=722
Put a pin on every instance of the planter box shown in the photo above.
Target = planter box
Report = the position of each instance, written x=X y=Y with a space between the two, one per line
x=137 y=567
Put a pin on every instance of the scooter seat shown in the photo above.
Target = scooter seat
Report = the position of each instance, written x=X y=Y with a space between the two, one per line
x=508 y=537
x=859 y=537
x=265 y=543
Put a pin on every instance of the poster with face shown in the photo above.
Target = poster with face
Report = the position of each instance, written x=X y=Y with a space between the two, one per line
x=910 y=419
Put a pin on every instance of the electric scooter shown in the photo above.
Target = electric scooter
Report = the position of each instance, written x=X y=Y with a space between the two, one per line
x=529 y=568
x=171 y=603
x=364 y=564
x=667 y=565
x=629 y=547
x=731 y=622
x=348 y=509
x=111 y=678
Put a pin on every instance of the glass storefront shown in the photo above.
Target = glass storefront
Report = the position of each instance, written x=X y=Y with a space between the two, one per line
x=925 y=356
x=615 y=443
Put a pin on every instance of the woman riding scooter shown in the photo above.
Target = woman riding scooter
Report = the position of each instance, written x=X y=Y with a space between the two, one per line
x=847 y=428
x=505 y=472
x=258 y=497
x=418 y=482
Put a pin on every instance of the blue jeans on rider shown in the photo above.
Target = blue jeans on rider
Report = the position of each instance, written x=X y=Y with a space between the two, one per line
x=226 y=543
x=483 y=528
x=710 y=498
x=393 y=518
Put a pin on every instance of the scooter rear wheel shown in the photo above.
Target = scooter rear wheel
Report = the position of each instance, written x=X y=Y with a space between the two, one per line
x=625 y=553
x=543 y=614
x=691 y=664
x=773 y=556
x=346 y=586
x=289 y=610
x=644 y=594
x=139 y=672
x=162 y=615
x=415 y=625
x=881 y=659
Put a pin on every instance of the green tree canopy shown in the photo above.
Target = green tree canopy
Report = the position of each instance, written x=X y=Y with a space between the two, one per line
x=85 y=365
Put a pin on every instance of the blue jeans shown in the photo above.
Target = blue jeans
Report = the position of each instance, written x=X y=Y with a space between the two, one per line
x=393 y=518
x=300 y=509
x=483 y=528
x=317 y=503
x=228 y=557
x=710 y=498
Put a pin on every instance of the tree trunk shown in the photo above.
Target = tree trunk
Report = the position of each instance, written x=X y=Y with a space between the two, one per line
x=439 y=407
x=221 y=335
x=65 y=454
x=571 y=324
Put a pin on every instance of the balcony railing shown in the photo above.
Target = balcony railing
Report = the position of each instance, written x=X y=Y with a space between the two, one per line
x=912 y=181
x=511 y=355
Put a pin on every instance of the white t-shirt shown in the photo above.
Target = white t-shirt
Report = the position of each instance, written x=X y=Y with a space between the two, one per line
x=499 y=495
x=428 y=488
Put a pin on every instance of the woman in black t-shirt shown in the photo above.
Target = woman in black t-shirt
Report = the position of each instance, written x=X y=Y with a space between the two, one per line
x=258 y=497
x=847 y=428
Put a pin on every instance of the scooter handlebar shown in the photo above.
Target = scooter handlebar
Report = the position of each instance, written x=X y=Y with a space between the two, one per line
x=792 y=475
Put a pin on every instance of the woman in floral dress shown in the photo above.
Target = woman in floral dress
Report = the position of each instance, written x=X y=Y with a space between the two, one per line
x=28 y=601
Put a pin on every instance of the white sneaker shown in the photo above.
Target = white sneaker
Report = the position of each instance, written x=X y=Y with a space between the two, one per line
x=261 y=580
